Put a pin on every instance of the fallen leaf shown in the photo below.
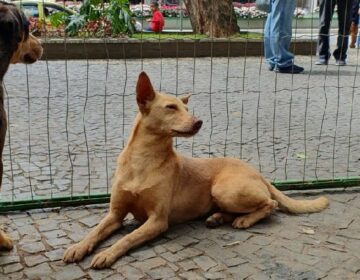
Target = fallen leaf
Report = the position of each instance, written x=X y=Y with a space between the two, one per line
x=308 y=231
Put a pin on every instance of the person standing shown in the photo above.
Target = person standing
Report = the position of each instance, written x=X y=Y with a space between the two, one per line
x=344 y=21
x=277 y=37
x=354 y=28
x=157 y=21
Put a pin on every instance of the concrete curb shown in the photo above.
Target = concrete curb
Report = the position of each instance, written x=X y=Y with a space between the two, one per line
x=55 y=49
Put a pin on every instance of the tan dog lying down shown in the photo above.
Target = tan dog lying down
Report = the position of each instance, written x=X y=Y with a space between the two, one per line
x=160 y=187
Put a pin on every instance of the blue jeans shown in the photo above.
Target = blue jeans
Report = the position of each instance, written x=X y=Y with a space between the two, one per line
x=277 y=34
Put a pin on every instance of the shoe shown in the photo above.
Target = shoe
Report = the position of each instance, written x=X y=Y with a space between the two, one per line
x=322 y=61
x=292 y=69
x=271 y=67
x=340 y=62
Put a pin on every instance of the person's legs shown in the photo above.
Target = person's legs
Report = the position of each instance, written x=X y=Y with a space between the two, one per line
x=344 y=19
x=269 y=56
x=280 y=24
x=325 y=14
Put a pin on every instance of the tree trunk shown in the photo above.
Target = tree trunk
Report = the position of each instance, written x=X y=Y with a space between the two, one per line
x=215 y=18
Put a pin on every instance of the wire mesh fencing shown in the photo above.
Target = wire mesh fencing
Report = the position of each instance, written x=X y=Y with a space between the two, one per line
x=69 y=119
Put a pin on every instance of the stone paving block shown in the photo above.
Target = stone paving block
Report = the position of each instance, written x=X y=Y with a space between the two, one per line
x=46 y=225
x=160 y=273
x=116 y=276
x=215 y=275
x=34 y=247
x=230 y=262
x=77 y=213
x=69 y=272
x=54 y=234
x=242 y=271
x=186 y=241
x=6 y=259
x=214 y=250
x=11 y=268
x=131 y=273
x=191 y=275
x=90 y=221
x=23 y=221
x=173 y=247
x=188 y=265
x=100 y=274
x=38 y=272
x=174 y=267
x=149 y=263
x=28 y=230
x=143 y=253
x=34 y=260
x=55 y=255
x=159 y=249
x=15 y=276
x=56 y=242
x=204 y=262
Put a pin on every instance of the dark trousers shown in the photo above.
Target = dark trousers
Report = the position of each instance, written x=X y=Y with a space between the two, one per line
x=344 y=19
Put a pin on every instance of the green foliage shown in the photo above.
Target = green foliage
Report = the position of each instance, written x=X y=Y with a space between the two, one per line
x=58 y=19
x=100 y=19
x=75 y=23
x=119 y=14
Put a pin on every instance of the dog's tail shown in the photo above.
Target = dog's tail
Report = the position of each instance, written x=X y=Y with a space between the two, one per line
x=290 y=205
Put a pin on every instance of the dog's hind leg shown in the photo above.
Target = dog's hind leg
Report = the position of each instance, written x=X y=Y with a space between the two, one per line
x=248 y=220
x=219 y=218
x=238 y=195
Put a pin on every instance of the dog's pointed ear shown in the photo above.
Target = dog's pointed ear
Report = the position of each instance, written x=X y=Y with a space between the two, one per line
x=185 y=99
x=144 y=91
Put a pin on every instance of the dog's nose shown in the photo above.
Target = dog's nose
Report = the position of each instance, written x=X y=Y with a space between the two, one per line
x=198 y=124
x=28 y=59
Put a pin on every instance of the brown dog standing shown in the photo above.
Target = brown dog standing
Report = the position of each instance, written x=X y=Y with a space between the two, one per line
x=16 y=45
x=160 y=187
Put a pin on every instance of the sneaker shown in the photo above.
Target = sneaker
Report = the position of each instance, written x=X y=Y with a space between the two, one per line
x=340 y=62
x=322 y=61
x=292 y=69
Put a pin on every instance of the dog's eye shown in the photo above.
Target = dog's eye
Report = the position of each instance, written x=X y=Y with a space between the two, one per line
x=171 y=106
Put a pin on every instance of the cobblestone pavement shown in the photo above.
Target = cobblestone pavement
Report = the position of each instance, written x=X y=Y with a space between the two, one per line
x=69 y=121
x=317 y=246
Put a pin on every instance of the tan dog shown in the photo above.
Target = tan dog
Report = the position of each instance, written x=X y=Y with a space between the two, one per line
x=160 y=187
x=16 y=45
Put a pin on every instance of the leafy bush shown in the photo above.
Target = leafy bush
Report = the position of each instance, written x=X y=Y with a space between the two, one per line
x=95 y=19
x=99 y=19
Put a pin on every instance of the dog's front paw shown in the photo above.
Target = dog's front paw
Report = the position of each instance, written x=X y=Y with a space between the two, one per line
x=76 y=252
x=103 y=259
x=5 y=242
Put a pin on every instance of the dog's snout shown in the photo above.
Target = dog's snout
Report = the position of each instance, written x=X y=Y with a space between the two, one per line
x=28 y=59
x=198 y=124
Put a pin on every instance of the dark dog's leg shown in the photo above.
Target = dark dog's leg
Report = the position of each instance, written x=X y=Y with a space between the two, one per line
x=3 y=127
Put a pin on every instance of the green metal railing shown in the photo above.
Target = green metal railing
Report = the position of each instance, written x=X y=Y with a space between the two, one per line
x=78 y=200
